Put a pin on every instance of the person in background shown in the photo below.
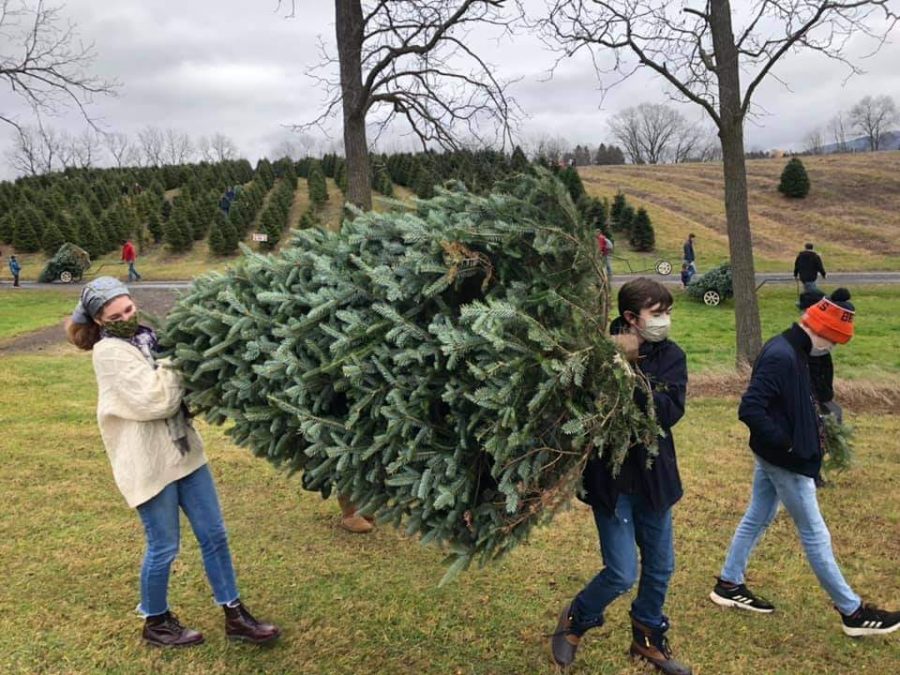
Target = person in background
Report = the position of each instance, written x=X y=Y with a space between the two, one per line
x=687 y=273
x=605 y=244
x=633 y=510
x=15 y=268
x=787 y=439
x=689 y=256
x=807 y=267
x=129 y=256
x=157 y=461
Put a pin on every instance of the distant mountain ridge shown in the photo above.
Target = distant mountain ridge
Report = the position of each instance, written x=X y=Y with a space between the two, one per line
x=890 y=140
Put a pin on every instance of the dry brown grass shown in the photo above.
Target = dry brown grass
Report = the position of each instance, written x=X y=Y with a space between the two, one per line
x=852 y=212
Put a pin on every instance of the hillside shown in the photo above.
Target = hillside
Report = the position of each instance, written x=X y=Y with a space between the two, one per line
x=852 y=213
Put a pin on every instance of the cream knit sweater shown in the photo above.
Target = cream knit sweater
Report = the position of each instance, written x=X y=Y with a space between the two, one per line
x=134 y=401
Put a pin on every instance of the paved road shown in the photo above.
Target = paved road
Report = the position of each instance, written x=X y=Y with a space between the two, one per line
x=834 y=279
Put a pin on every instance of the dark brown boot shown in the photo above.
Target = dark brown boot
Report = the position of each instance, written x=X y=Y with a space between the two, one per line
x=651 y=645
x=240 y=625
x=164 y=630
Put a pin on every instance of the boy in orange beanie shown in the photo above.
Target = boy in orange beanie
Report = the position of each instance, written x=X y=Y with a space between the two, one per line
x=786 y=437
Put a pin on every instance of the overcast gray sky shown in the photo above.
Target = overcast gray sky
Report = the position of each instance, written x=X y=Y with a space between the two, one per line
x=239 y=67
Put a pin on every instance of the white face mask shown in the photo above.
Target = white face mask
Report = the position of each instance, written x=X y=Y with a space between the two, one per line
x=656 y=328
x=820 y=346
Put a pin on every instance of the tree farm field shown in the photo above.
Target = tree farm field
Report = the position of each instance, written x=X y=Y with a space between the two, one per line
x=852 y=212
x=156 y=263
x=70 y=548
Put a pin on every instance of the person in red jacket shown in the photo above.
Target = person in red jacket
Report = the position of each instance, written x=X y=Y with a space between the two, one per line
x=129 y=256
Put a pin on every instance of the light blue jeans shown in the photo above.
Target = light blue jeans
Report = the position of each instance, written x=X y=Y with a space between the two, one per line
x=773 y=485
x=195 y=494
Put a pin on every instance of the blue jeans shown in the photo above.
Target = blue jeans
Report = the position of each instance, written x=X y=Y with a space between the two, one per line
x=633 y=526
x=133 y=274
x=195 y=494
x=771 y=485
x=810 y=286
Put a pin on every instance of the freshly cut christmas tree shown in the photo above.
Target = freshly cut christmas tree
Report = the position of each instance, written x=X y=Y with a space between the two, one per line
x=444 y=367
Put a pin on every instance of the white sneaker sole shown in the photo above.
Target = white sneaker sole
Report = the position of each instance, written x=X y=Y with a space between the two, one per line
x=862 y=632
x=727 y=602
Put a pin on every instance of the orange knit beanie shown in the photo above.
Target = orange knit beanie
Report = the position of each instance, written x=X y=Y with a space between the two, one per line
x=832 y=317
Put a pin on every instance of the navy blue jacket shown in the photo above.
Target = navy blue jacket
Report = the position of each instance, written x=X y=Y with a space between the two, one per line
x=778 y=406
x=665 y=365
x=689 y=251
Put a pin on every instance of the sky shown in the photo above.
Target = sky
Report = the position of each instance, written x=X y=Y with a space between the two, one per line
x=240 y=67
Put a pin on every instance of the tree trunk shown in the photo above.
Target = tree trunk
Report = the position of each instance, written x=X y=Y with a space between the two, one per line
x=731 y=134
x=349 y=30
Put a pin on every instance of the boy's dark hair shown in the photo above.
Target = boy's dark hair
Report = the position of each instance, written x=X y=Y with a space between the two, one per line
x=692 y=236
x=642 y=293
x=808 y=246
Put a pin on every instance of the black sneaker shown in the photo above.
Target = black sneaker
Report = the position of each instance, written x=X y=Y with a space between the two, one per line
x=869 y=620
x=738 y=595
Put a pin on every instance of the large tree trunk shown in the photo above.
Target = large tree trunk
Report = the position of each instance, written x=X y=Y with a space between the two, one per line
x=349 y=30
x=731 y=134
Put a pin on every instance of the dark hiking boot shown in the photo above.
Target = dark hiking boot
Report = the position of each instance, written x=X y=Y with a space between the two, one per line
x=870 y=620
x=738 y=595
x=651 y=645
x=240 y=625
x=563 y=642
x=164 y=630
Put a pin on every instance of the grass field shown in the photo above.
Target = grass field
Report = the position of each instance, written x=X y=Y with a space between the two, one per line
x=705 y=333
x=852 y=212
x=23 y=311
x=70 y=551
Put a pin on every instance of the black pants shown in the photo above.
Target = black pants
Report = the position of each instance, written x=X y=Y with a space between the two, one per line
x=15 y=279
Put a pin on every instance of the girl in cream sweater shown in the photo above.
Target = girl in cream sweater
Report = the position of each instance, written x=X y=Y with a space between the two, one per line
x=157 y=461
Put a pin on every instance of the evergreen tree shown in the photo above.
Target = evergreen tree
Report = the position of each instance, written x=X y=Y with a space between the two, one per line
x=445 y=369
x=618 y=207
x=518 y=161
x=154 y=225
x=424 y=182
x=66 y=227
x=318 y=189
x=6 y=227
x=52 y=239
x=794 y=180
x=570 y=178
x=25 y=236
x=626 y=219
x=222 y=236
x=595 y=214
x=642 y=236
x=177 y=231
x=340 y=174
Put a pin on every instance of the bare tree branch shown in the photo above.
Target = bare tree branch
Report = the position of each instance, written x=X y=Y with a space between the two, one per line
x=44 y=62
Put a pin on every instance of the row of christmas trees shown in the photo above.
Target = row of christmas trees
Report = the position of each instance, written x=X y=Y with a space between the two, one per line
x=98 y=208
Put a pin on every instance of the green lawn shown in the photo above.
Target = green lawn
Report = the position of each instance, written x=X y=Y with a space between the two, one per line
x=707 y=333
x=22 y=311
x=70 y=552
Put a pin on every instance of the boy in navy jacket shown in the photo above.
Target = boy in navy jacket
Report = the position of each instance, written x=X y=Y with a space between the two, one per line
x=787 y=437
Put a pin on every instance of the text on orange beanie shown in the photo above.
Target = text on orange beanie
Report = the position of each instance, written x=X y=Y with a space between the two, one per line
x=829 y=320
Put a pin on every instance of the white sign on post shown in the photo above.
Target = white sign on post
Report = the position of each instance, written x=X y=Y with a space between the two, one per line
x=258 y=236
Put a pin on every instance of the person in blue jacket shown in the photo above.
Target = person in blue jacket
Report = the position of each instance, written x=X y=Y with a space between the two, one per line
x=634 y=509
x=15 y=268
x=787 y=439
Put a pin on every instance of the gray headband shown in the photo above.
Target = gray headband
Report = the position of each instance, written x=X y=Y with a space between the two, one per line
x=95 y=296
